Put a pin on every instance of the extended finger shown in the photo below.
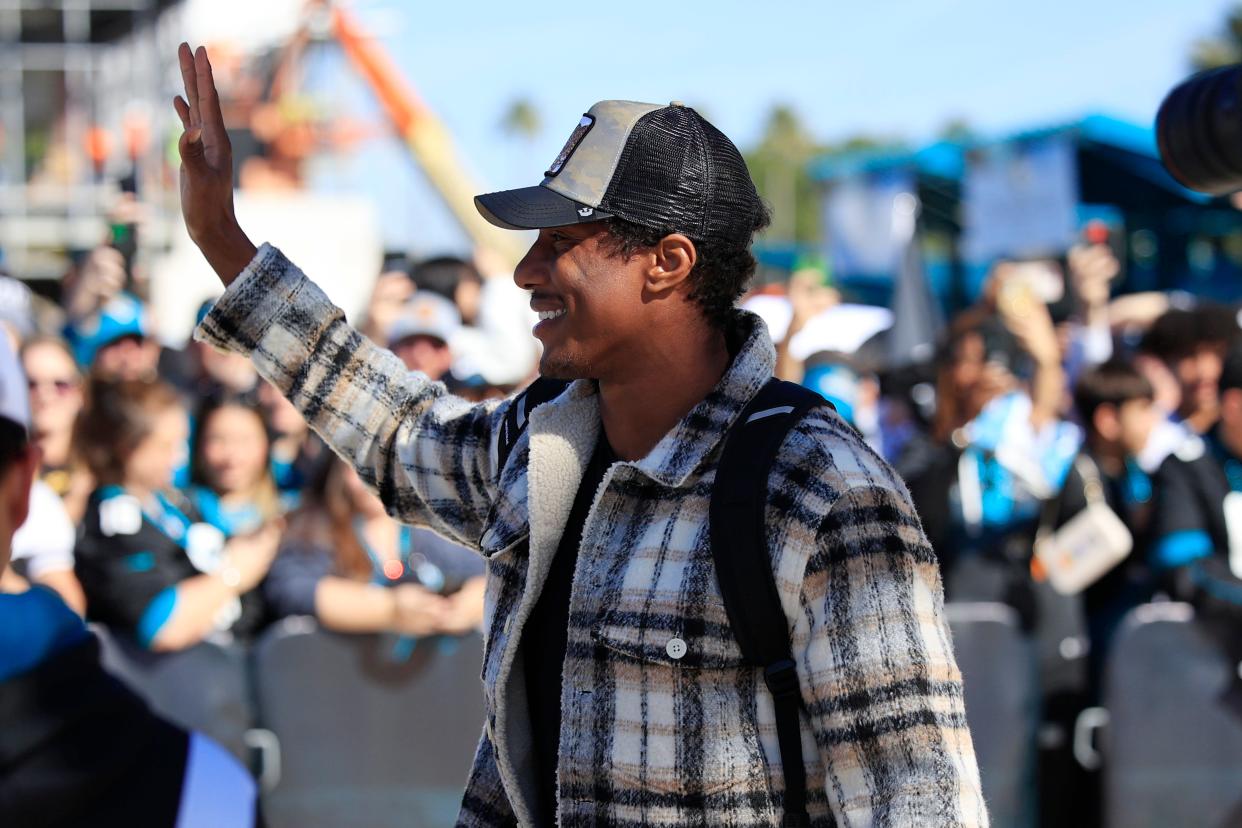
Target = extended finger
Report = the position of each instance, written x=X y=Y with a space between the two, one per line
x=189 y=77
x=208 y=100
x=183 y=111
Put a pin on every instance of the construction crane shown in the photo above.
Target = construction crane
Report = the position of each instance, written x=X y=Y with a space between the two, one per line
x=425 y=136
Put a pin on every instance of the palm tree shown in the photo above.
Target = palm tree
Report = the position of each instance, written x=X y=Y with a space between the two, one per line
x=1221 y=49
x=779 y=166
x=521 y=120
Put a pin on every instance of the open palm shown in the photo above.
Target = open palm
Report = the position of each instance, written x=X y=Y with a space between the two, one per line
x=207 y=169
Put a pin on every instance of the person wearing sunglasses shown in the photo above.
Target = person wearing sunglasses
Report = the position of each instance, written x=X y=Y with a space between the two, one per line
x=56 y=396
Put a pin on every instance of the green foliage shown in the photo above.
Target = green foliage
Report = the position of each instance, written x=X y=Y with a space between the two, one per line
x=522 y=120
x=1221 y=49
x=957 y=129
x=779 y=166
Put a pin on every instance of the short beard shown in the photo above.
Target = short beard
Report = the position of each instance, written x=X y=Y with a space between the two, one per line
x=564 y=368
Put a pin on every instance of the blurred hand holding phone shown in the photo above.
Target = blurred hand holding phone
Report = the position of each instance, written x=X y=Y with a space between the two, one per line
x=1023 y=284
x=1092 y=269
x=1023 y=292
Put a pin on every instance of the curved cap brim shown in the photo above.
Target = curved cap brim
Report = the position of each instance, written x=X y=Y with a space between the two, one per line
x=530 y=208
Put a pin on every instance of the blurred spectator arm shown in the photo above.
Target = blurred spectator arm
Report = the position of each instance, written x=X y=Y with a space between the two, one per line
x=353 y=607
x=45 y=543
x=301 y=583
x=1137 y=311
x=1031 y=324
x=464 y=611
x=183 y=615
x=93 y=283
x=196 y=602
x=430 y=456
x=870 y=544
x=1092 y=269
x=127 y=589
x=809 y=297
x=11 y=582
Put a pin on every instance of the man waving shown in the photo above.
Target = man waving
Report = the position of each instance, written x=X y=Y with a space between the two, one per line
x=616 y=693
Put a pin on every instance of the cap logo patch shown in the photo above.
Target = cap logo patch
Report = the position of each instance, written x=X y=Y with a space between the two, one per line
x=575 y=138
x=585 y=211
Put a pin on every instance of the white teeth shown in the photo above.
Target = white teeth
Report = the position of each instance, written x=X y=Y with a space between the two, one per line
x=546 y=315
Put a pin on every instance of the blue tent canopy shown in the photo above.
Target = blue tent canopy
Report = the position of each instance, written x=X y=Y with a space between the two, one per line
x=1133 y=145
x=1118 y=173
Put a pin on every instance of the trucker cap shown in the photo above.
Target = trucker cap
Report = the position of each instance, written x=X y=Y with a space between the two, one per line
x=663 y=167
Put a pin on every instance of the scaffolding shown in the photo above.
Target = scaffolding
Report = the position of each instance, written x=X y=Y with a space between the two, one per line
x=81 y=101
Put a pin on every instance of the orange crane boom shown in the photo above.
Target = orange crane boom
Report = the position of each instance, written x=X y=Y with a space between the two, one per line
x=424 y=135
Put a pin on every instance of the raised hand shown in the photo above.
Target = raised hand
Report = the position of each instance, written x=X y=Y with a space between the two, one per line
x=207 y=170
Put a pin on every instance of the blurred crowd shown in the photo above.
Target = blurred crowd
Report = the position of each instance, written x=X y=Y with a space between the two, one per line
x=1072 y=454
x=181 y=498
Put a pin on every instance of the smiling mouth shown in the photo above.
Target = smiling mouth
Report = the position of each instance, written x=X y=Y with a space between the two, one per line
x=544 y=316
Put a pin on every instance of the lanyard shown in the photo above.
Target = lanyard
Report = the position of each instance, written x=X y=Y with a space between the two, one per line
x=170 y=520
x=407 y=560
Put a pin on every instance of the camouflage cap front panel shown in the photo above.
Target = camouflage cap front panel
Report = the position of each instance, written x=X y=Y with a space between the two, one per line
x=585 y=175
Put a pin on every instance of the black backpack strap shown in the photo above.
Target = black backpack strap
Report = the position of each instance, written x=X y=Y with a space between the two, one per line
x=744 y=570
x=540 y=391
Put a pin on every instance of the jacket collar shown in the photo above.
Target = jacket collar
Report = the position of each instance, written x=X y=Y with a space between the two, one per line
x=691 y=442
x=563 y=431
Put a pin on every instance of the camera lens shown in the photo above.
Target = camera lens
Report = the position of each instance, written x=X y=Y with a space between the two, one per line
x=1199 y=131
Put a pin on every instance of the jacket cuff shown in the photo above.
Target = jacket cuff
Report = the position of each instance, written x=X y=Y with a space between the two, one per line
x=259 y=296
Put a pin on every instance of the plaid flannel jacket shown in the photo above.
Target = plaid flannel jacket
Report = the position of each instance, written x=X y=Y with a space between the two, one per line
x=647 y=737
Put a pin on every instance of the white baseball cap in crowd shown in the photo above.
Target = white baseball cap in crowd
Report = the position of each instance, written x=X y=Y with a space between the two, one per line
x=14 y=395
x=426 y=314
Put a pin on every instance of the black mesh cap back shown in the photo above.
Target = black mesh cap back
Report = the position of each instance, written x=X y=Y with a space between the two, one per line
x=680 y=174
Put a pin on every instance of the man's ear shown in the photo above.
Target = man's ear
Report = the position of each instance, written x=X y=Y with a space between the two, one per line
x=672 y=259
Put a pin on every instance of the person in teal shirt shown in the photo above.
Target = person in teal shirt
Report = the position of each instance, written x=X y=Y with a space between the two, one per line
x=78 y=747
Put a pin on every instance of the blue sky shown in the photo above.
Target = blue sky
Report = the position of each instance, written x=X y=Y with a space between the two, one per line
x=898 y=68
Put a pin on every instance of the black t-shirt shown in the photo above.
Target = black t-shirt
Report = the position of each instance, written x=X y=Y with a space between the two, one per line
x=546 y=635
x=1191 y=488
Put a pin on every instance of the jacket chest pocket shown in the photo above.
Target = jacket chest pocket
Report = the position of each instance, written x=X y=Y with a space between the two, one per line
x=683 y=698
x=506 y=577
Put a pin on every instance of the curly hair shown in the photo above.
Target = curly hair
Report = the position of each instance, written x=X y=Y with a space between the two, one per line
x=721 y=271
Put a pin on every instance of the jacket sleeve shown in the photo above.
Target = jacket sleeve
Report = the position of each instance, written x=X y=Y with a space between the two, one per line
x=484 y=804
x=431 y=456
x=879 y=681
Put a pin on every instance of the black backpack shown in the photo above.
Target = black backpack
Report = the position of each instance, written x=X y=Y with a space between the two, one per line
x=739 y=550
